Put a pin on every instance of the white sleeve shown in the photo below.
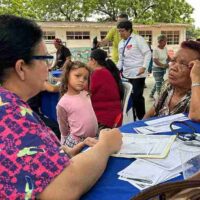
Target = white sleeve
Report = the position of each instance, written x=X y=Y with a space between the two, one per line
x=145 y=50
x=119 y=63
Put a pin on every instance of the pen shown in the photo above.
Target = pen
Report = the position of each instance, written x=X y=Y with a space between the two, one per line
x=138 y=179
x=150 y=130
x=117 y=120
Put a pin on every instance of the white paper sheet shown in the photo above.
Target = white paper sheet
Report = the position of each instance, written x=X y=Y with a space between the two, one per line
x=142 y=169
x=146 y=130
x=167 y=120
x=142 y=146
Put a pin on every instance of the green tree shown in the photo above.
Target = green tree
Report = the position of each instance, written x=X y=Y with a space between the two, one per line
x=140 y=11
x=68 y=10
x=18 y=7
x=145 y=11
x=193 y=33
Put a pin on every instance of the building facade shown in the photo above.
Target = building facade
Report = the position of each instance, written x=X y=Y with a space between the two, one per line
x=78 y=36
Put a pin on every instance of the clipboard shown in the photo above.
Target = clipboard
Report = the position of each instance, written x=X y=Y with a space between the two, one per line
x=145 y=146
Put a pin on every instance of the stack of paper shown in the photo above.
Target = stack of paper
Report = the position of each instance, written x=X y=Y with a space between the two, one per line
x=145 y=146
x=160 y=125
x=143 y=174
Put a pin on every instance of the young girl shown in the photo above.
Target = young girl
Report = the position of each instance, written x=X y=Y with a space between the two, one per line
x=76 y=117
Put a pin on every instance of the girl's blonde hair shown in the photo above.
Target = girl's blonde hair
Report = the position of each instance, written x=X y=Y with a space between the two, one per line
x=65 y=75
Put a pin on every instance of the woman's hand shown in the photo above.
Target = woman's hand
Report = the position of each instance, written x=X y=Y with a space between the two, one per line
x=78 y=147
x=141 y=71
x=195 y=71
x=111 y=139
x=90 y=141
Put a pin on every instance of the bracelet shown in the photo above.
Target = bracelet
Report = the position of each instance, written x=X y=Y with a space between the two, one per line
x=195 y=84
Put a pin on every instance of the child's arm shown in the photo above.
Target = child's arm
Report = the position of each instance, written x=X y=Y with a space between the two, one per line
x=63 y=122
x=78 y=147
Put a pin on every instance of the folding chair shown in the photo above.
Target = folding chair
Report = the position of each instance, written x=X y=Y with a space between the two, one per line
x=127 y=94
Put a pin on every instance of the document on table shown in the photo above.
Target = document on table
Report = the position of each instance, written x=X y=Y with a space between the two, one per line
x=173 y=160
x=167 y=120
x=143 y=174
x=154 y=129
x=160 y=125
x=145 y=146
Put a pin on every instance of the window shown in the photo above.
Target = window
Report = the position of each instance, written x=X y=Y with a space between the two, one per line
x=49 y=35
x=78 y=35
x=147 y=36
x=103 y=35
x=172 y=36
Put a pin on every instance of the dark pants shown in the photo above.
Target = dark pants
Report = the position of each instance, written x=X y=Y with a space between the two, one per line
x=137 y=97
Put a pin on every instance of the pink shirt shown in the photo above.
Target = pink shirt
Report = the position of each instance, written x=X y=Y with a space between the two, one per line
x=76 y=116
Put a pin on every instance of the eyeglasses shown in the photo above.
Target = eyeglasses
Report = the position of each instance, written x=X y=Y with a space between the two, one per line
x=181 y=64
x=189 y=135
x=48 y=59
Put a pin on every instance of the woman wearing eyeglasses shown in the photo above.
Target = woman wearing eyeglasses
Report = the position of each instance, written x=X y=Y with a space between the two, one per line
x=181 y=93
x=32 y=165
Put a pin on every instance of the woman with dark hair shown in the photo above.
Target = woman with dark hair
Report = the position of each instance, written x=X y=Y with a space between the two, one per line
x=181 y=93
x=106 y=89
x=32 y=164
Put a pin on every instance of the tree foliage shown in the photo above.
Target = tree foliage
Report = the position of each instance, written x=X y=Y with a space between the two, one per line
x=193 y=33
x=18 y=7
x=68 y=10
x=140 y=11
x=145 y=11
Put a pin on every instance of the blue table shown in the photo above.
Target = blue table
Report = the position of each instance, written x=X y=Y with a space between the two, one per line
x=49 y=102
x=109 y=187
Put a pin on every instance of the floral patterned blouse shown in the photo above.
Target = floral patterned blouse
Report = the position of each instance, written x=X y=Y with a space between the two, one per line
x=162 y=103
x=30 y=156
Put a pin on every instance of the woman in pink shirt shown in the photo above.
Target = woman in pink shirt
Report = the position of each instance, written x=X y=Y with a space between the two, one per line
x=106 y=90
x=76 y=117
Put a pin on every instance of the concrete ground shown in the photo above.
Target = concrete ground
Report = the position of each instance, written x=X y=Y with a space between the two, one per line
x=148 y=101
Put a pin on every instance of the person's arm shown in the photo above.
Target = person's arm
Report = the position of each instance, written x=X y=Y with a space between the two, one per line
x=194 y=111
x=54 y=65
x=67 y=54
x=109 y=37
x=144 y=48
x=84 y=169
x=68 y=59
x=156 y=59
x=159 y=63
x=62 y=119
x=150 y=113
x=78 y=147
x=103 y=42
x=51 y=88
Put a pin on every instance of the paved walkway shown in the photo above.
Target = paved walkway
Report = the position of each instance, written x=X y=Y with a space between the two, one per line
x=149 y=83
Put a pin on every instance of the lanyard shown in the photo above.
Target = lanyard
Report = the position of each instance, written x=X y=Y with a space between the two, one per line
x=128 y=40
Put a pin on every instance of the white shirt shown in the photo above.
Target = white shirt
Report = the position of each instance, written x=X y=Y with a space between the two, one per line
x=136 y=54
x=161 y=55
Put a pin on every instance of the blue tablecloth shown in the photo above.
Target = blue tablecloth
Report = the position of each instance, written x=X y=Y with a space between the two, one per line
x=49 y=102
x=109 y=187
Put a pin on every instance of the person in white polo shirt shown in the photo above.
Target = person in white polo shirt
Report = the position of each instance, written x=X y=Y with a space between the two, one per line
x=134 y=59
